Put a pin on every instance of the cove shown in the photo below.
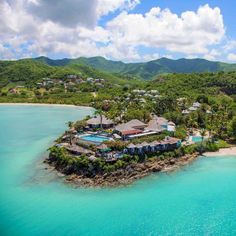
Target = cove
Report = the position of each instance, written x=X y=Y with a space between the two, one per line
x=198 y=199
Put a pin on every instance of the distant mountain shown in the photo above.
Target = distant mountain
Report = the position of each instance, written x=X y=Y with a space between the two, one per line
x=145 y=70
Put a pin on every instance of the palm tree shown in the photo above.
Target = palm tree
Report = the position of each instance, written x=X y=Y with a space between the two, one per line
x=70 y=125
x=100 y=113
x=202 y=133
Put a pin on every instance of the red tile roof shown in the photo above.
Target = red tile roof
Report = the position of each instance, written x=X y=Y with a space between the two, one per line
x=130 y=132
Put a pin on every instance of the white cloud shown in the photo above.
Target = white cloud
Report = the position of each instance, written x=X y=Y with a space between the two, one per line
x=43 y=28
x=150 y=57
x=212 y=55
x=106 y=6
x=68 y=13
x=192 y=32
x=231 y=44
x=232 y=57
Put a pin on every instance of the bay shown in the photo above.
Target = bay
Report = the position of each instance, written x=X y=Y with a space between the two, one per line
x=198 y=199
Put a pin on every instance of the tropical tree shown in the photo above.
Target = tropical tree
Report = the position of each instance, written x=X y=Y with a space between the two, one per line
x=70 y=125
x=100 y=113
x=233 y=127
x=202 y=133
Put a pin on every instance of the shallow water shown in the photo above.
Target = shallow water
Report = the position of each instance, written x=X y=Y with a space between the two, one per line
x=197 y=200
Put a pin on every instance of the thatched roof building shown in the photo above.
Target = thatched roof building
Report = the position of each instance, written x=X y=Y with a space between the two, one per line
x=96 y=121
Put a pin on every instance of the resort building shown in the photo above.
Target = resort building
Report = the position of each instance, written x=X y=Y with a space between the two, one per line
x=77 y=150
x=160 y=124
x=168 y=144
x=130 y=128
x=157 y=124
x=135 y=128
x=100 y=121
x=171 y=126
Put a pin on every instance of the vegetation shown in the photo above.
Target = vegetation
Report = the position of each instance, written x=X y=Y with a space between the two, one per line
x=147 y=70
x=81 y=165
x=115 y=98
x=123 y=92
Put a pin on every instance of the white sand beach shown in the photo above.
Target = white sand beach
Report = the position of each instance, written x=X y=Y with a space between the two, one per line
x=42 y=104
x=222 y=152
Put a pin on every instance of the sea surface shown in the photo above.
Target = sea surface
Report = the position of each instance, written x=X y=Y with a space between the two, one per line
x=199 y=199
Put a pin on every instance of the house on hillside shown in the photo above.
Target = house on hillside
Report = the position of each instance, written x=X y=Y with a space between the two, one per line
x=185 y=112
x=13 y=91
x=90 y=80
x=73 y=77
x=192 y=109
x=154 y=91
x=196 y=104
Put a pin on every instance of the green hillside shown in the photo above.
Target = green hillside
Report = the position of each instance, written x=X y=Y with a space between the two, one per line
x=145 y=70
x=30 y=71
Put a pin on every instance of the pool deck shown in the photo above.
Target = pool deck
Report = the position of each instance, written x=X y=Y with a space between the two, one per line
x=103 y=138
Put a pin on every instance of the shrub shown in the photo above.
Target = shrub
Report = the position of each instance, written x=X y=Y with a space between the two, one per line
x=181 y=133
x=189 y=149
x=119 y=164
x=211 y=147
x=109 y=168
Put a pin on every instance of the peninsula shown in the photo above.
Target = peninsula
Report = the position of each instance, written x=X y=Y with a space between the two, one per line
x=99 y=151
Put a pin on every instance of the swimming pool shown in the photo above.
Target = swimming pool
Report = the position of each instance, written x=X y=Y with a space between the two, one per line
x=196 y=139
x=94 y=138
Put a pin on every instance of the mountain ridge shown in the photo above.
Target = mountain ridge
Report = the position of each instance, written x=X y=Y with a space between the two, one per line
x=144 y=70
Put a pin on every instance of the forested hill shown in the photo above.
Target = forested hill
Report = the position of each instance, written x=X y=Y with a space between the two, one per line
x=30 y=71
x=145 y=70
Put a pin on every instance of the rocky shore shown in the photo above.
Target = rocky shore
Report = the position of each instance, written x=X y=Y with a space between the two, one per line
x=128 y=174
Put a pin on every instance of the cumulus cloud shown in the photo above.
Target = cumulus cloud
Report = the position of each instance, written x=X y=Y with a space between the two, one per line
x=230 y=45
x=189 y=33
x=68 y=27
x=231 y=57
x=68 y=13
x=212 y=55
x=106 y=6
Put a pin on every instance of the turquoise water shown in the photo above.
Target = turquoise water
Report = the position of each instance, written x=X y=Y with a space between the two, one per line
x=94 y=138
x=196 y=200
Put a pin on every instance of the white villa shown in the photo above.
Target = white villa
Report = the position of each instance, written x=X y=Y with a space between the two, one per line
x=195 y=106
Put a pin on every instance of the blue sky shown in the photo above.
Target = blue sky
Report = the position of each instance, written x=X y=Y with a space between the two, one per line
x=127 y=30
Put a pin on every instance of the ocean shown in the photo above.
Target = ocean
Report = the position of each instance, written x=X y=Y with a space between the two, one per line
x=198 y=199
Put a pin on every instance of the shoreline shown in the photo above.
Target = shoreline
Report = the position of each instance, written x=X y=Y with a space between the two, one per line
x=125 y=176
x=133 y=172
x=43 y=104
x=222 y=152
